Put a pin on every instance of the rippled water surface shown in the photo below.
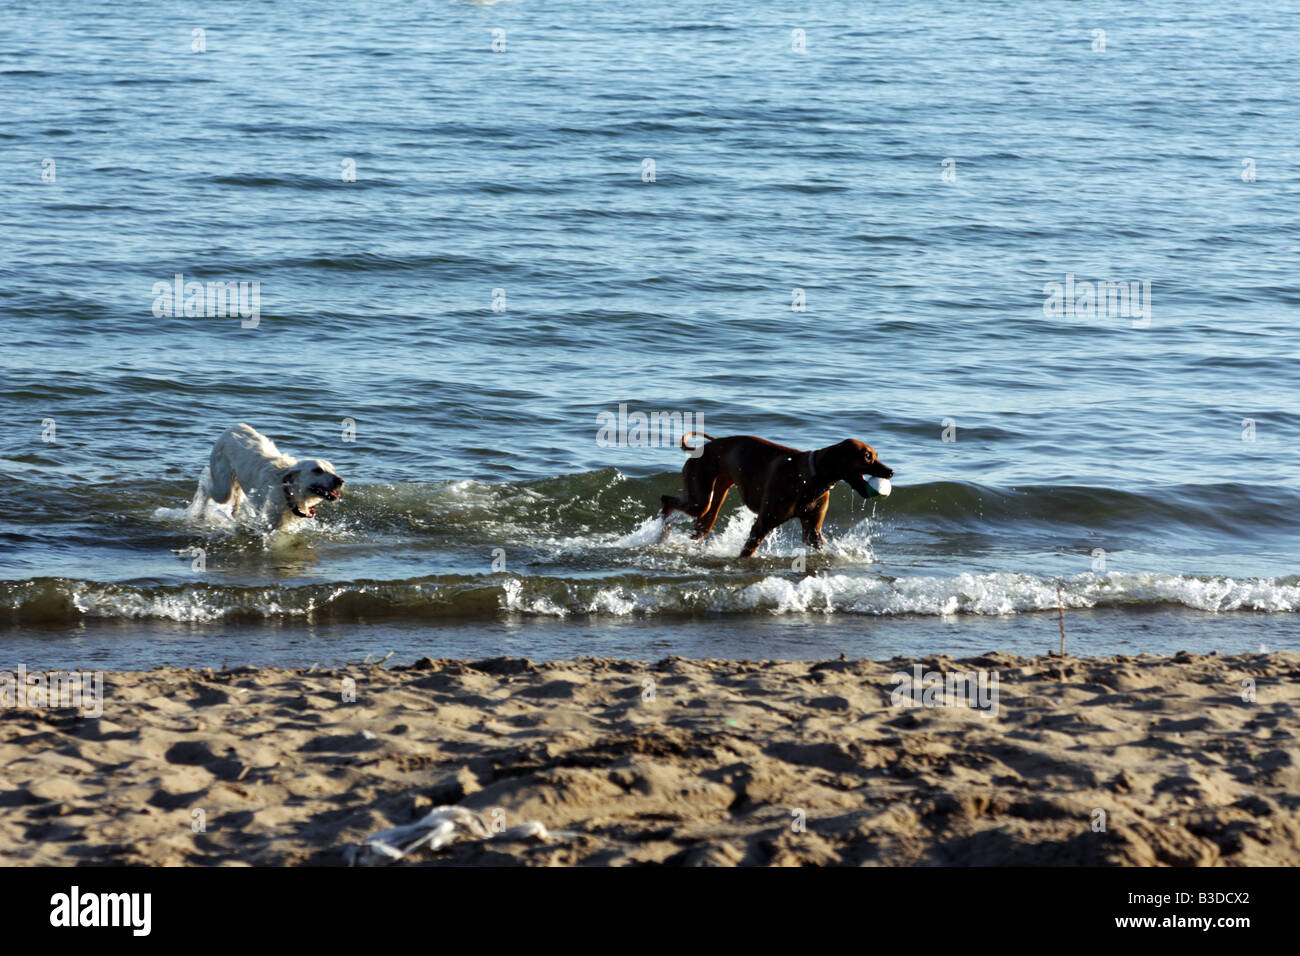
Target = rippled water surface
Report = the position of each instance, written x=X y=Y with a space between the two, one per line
x=669 y=208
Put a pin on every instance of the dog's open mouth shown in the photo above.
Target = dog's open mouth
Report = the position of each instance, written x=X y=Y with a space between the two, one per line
x=329 y=494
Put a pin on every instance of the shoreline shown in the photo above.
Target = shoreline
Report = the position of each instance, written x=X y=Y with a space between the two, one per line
x=1094 y=632
x=1124 y=760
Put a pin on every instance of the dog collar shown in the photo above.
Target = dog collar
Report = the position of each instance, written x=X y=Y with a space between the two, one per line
x=812 y=469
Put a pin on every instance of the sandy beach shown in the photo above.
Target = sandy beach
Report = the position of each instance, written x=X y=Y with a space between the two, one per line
x=1133 y=761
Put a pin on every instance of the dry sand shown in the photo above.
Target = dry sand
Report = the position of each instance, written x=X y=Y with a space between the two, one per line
x=717 y=769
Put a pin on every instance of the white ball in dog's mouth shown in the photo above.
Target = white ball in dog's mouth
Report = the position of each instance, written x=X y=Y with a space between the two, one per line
x=880 y=486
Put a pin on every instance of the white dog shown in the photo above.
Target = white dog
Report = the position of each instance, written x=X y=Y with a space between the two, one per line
x=247 y=464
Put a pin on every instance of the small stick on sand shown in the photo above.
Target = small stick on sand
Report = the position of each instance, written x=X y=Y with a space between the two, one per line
x=1060 y=613
x=1060 y=618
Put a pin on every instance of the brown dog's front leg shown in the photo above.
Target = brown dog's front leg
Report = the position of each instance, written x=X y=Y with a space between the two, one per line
x=812 y=520
x=756 y=535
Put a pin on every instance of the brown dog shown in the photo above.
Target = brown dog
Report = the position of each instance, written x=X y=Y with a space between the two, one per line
x=776 y=483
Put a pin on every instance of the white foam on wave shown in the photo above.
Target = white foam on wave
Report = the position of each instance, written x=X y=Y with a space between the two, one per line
x=839 y=592
x=1216 y=594
x=185 y=606
x=646 y=535
x=728 y=537
x=996 y=593
x=514 y=599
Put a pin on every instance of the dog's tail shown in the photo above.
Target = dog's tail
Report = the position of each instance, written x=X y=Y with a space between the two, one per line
x=690 y=435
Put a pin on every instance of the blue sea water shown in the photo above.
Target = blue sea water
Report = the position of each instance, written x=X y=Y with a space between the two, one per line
x=801 y=221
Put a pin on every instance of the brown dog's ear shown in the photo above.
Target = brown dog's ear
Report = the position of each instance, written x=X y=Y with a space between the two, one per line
x=852 y=448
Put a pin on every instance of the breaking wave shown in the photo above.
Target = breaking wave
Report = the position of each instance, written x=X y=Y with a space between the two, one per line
x=62 y=600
